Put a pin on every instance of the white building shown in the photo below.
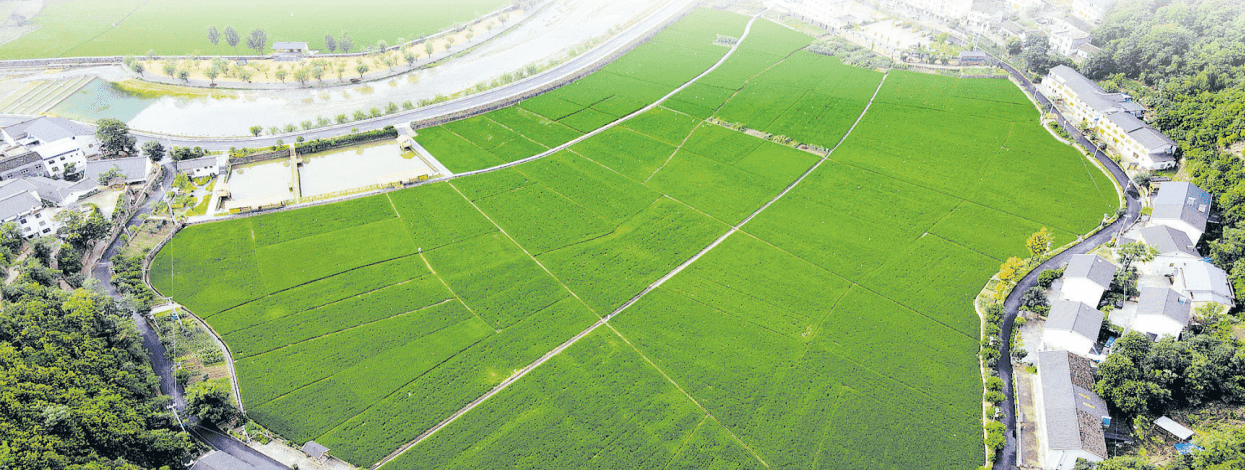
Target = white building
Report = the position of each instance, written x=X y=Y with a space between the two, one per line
x=1182 y=206
x=59 y=144
x=1196 y=279
x=943 y=9
x=1162 y=312
x=1070 y=416
x=199 y=167
x=1085 y=99
x=133 y=170
x=1071 y=326
x=1132 y=137
x=1091 y=11
x=1086 y=278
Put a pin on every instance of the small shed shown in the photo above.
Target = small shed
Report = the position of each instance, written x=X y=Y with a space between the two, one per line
x=316 y=451
x=290 y=47
x=1174 y=428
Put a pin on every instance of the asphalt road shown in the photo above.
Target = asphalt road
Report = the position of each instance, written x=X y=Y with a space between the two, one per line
x=488 y=97
x=1007 y=456
x=156 y=351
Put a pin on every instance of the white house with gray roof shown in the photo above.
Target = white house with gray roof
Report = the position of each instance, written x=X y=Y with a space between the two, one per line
x=1086 y=278
x=59 y=143
x=1196 y=279
x=1130 y=136
x=1071 y=326
x=1182 y=206
x=1169 y=241
x=1070 y=415
x=1086 y=100
x=1162 y=312
x=133 y=170
x=1092 y=11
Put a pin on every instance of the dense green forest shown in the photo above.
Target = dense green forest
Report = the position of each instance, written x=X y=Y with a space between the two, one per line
x=76 y=390
x=1185 y=60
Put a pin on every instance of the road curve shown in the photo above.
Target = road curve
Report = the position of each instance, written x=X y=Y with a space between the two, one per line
x=1008 y=455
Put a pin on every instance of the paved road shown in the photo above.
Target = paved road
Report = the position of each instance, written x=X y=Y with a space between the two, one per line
x=1007 y=456
x=156 y=351
x=500 y=94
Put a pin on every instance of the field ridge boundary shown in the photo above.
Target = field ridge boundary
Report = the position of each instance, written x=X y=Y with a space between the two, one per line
x=555 y=351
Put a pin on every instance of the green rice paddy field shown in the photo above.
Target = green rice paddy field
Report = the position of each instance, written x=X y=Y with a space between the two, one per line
x=835 y=330
x=75 y=28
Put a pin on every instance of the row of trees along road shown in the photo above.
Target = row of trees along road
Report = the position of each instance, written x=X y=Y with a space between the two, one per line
x=258 y=40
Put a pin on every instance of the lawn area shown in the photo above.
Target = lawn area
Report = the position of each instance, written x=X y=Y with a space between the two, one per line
x=833 y=330
x=73 y=28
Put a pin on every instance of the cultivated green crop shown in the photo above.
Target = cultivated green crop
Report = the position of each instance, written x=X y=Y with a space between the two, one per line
x=834 y=329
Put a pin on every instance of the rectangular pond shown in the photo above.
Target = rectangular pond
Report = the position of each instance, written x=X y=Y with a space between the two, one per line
x=357 y=167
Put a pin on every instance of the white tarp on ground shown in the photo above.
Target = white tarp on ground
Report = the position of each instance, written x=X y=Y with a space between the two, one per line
x=1176 y=429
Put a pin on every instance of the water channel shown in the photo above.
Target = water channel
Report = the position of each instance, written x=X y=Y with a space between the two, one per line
x=329 y=172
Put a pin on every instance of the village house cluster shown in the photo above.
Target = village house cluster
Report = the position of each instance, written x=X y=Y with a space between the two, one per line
x=47 y=164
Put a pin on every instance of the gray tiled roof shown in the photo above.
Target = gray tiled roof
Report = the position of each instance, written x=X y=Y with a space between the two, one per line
x=191 y=164
x=134 y=168
x=1091 y=267
x=47 y=188
x=1070 y=315
x=1168 y=240
x=18 y=204
x=19 y=161
x=314 y=449
x=1073 y=412
x=1165 y=302
x=1092 y=94
x=1077 y=23
x=1184 y=201
x=47 y=129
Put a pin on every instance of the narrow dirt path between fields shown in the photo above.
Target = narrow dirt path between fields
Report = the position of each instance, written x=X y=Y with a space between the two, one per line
x=514 y=378
x=605 y=320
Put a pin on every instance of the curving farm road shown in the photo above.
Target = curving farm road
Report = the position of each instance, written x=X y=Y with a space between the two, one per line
x=1008 y=455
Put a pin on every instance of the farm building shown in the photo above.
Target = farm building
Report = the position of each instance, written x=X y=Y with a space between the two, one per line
x=1071 y=326
x=1182 y=206
x=974 y=58
x=133 y=170
x=1162 y=312
x=1179 y=431
x=199 y=167
x=316 y=451
x=1086 y=278
x=290 y=47
x=1070 y=415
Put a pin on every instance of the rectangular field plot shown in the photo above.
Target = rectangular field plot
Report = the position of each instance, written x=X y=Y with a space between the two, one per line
x=739 y=68
x=595 y=187
x=996 y=234
x=286 y=265
x=722 y=191
x=456 y=153
x=1075 y=194
x=722 y=144
x=290 y=225
x=587 y=120
x=495 y=279
x=550 y=106
x=609 y=270
x=664 y=125
x=437 y=215
x=772 y=38
x=541 y=219
x=756 y=106
x=318 y=294
x=597 y=404
x=534 y=126
x=404 y=414
x=634 y=155
x=352 y=390
x=759 y=284
x=937 y=278
x=209 y=267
